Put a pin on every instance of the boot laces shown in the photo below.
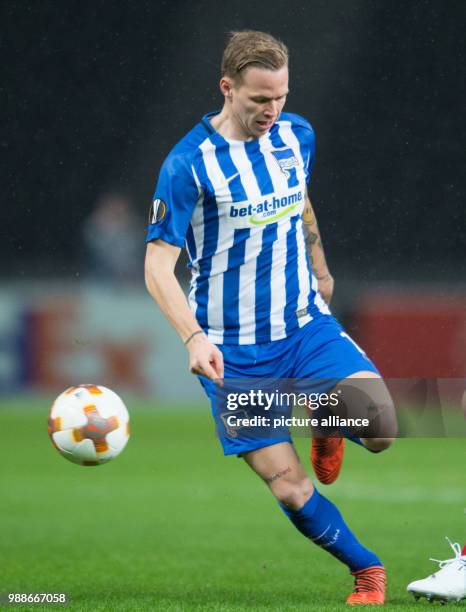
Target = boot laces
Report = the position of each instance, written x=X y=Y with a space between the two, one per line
x=458 y=557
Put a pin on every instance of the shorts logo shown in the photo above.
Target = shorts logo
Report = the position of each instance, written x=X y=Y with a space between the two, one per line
x=229 y=429
x=157 y=211
x=286 y=159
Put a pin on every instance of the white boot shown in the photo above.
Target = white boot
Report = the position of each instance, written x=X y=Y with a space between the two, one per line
x=448 y=583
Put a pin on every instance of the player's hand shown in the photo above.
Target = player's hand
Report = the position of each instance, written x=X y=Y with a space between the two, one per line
x=205 y=359
x=325 y=286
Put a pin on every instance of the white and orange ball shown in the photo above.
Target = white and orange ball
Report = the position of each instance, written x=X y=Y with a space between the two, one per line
x=89 y=424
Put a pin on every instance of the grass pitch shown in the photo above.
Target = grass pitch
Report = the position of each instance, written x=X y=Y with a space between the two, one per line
x=173 y=525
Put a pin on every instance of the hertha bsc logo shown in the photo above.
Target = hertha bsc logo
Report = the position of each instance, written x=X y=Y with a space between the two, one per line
x=286 y=159
x=157 y=211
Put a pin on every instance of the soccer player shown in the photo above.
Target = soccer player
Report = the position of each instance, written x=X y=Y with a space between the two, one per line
x=233 y=191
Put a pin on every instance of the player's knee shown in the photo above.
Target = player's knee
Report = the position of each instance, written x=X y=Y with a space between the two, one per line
x=370 y=400
x=387 y=426
x=293 y=494
x=377 y=445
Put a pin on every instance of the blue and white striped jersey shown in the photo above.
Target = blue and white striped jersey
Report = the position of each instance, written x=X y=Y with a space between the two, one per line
x=237 y=206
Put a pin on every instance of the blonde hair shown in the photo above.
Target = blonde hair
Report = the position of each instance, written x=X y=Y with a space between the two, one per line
x=252 y=48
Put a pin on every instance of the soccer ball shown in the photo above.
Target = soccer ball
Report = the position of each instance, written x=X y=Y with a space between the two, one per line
x=89 y=424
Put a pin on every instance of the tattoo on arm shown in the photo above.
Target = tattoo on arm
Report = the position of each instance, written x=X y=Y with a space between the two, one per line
x=277 y=475
x=308 y=214
x=312 y=240
x=311 y=232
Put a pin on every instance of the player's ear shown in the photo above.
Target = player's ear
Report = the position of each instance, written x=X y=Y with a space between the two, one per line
x=226 y=86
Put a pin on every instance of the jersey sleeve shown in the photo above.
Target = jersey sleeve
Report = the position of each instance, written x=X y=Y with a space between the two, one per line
x=306 y=139
x=175 y=197
x=307 y=144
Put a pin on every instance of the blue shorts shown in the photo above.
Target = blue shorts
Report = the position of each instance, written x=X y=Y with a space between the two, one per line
x=319 y=350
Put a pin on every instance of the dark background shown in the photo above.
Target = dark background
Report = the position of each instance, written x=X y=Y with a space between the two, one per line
x=94 y=94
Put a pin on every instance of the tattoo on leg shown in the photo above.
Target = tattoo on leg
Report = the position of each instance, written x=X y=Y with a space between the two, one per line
x=277 y=475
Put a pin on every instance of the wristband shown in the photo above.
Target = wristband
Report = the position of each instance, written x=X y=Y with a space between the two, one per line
x=199 y=331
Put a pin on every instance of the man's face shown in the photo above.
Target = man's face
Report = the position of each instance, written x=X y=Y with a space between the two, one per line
x=258 y=99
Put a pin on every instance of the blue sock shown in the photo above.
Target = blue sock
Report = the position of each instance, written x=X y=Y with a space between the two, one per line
x=321 y=521
x=349 y=436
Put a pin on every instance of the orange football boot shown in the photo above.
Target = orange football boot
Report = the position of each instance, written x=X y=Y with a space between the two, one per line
x=369 y=587
x=327 y=458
